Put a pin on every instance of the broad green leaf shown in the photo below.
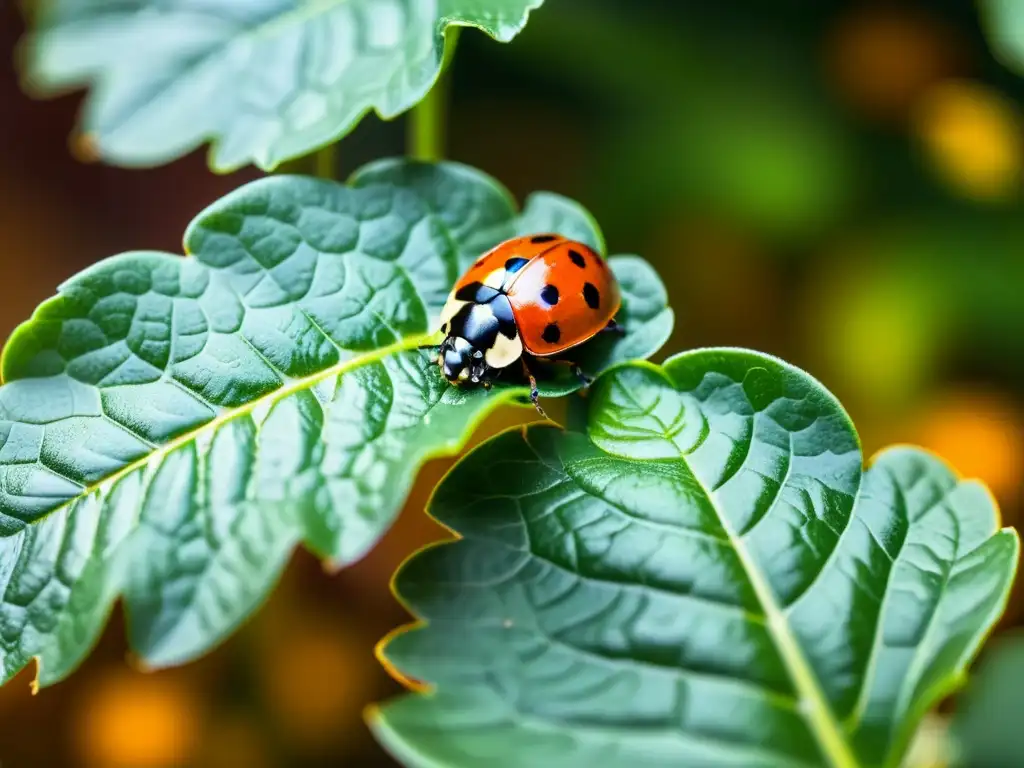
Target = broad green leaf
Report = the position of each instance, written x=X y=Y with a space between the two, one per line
x=264 y=80
x=705 y=576
x=986 y=728
x=170 y=428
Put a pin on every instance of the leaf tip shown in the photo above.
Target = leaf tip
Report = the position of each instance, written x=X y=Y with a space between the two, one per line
x=35 y=683
x=139 y=663
x=332 y=565
x=372 y=715
x=414 y=685
x=84 y=147
x=1014 y=535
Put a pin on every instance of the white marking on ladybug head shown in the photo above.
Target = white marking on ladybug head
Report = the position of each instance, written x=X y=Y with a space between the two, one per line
x=496 y=279
x=504 y=352
x=451 y=308
x=464 y=374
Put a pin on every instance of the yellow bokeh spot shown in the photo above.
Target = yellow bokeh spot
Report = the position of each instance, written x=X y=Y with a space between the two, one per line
x=875 y=331
x=132 y=720
x=981 y=435
x=972 y=137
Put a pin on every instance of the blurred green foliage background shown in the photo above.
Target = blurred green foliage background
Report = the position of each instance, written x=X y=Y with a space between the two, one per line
x=838 y=183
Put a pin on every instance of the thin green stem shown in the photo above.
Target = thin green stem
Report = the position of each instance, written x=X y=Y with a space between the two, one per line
x=325 y=161
x=425 y=139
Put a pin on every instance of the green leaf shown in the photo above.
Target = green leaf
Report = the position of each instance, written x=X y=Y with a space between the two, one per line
x=1004 y=24
x=705 y=576
x=265 y=81
x=986 y=726
x=170 y=428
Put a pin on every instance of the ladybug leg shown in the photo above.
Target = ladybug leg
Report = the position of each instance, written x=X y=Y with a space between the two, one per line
x=613 y=327
x=575 y=368
x=488 y=380
x=534 y=394
x=584 y=379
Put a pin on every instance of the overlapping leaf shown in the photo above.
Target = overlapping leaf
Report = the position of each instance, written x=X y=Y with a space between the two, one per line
x=1004 y=22
x=171 y=427
x=704 y=576
x=264 y=80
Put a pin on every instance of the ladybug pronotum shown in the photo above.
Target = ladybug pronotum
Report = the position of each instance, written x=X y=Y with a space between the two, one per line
x=529 y=298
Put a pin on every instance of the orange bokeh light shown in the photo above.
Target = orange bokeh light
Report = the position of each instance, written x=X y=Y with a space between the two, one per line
x=134 y=720
x=880 y=58
x=980 y=435
x=316 y=679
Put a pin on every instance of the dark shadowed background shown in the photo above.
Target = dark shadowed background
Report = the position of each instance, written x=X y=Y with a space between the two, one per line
x=836 y=183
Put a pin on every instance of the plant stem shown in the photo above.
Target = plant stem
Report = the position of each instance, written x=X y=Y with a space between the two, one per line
x=325 y=161
x=425 y=139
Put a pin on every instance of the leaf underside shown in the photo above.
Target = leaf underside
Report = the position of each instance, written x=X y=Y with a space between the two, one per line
x=264 y=81
x=704 y=576
x=170 y=428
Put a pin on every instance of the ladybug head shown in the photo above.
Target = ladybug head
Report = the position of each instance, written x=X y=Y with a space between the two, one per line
x=461 y=362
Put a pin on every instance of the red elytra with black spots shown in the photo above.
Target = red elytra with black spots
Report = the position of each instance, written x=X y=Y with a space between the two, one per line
x=537 y=295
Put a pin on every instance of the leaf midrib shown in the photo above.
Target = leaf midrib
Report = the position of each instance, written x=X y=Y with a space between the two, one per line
x=815 y=706
x=306 y=12
x=290 y=388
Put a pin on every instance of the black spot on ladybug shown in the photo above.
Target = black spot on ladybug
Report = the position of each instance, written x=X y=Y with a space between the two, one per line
x=551 y=333
x=444 y=327
x=542 y=238
x=577 y=259
x=514 y=264
x=591 y=295
x=480 y=261
x=550 y=295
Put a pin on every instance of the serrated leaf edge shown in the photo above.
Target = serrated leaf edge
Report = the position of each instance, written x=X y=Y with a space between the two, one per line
x=837 y=746
x=24 y=53
x=955 y=681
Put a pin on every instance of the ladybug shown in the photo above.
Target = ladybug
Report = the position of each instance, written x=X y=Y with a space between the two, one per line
x=528 y=298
